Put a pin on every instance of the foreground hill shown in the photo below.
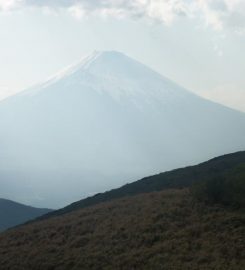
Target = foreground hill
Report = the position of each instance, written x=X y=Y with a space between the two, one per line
x=13 y=213
x=158 y=230
x=179 y=178
x=107 y=120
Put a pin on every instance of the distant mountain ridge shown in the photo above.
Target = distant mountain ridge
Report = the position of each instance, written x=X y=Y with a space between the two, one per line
x=13 y=213
x=175 y=179
x=106 y=120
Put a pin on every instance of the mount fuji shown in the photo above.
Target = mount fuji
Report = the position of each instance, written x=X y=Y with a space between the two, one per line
x=101 y=123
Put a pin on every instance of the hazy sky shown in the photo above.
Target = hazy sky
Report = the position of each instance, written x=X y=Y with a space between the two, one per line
x=199 y=44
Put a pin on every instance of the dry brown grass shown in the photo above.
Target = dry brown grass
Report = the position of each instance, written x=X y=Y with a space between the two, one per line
x=160 y=230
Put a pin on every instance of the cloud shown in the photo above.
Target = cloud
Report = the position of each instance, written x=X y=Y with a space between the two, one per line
x=6 y=5
x=222 y=14
x=218 y=14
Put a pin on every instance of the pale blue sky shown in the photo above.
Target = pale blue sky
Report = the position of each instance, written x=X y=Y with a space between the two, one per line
x=201 y=47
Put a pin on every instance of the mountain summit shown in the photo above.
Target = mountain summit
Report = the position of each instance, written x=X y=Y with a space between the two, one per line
x=115 y=74
x=101 y=121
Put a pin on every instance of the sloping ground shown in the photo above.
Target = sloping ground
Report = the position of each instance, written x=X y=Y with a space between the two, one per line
x=13 y=213
x=158 y=230
x=179 y=178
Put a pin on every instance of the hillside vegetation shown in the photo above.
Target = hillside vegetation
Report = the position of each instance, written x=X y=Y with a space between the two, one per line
x=227 y=189
x=191 y=218
x=158 y=230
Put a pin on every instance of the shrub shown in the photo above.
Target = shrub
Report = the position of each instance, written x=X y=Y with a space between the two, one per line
x=228 y=189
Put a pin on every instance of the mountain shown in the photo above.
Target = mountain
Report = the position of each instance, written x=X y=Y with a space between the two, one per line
x=13 y=213
x=177 y=179
x=104 y=121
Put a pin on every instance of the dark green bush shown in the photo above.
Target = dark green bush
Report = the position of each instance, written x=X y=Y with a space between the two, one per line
x=228 y=189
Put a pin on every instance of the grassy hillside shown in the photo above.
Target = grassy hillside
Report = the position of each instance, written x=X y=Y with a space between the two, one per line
x=180 y=178
x=190 y=218
x=13 y=213
x=158 y=230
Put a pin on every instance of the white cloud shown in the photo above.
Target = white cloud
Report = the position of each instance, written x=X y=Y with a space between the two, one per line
x=218 y=14
x=6 y=5
x=223 y=13
x=77 y=11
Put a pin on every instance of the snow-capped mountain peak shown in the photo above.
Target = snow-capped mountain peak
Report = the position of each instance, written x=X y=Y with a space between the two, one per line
x=103 y=121
x=115 y=74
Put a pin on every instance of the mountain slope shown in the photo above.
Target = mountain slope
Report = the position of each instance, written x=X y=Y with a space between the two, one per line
x=101 y=122
x=176 y=179
x=13 y=214
x=158 y=230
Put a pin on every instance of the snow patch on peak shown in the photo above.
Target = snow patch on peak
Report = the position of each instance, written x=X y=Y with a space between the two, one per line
x=114 y=74
x=71 y=69
x=82 y=64
x=86 y=62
